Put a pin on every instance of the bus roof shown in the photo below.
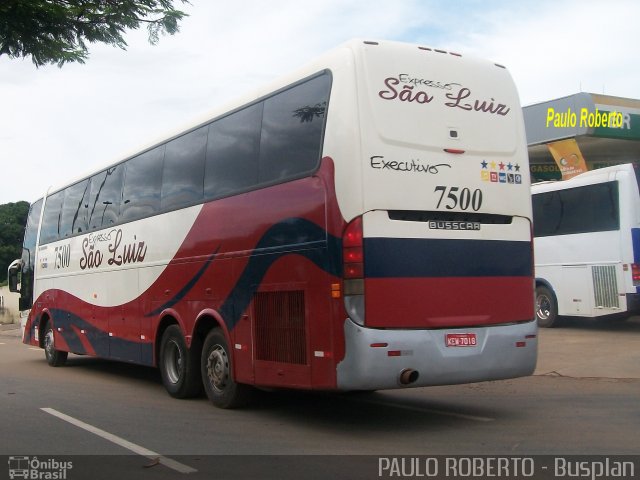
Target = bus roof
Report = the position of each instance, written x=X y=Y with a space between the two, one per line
x=331 y=59
x=586 y=178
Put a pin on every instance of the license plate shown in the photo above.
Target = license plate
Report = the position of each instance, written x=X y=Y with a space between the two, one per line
x=461 y=340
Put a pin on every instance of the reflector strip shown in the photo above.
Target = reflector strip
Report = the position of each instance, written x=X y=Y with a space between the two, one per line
x=399 y=353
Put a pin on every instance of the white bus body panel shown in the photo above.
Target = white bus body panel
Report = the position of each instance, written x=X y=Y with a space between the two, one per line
x=590 y=273
x=104 y=282
x=403 y=154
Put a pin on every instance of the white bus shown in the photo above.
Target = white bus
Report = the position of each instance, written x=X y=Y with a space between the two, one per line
x=362 y=224
x=587 y=245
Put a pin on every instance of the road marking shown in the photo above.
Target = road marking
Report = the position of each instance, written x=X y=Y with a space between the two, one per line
x=167 y=462
x=2 y=343
x=429 y=410
x=35 y=349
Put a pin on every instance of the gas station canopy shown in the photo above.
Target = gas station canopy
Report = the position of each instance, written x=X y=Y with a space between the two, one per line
x=585 y=129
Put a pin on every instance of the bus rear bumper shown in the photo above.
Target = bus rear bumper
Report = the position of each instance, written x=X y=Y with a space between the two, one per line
x=385 y=359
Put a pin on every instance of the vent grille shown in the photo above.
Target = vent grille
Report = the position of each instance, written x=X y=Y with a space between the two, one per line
x=280 y=327
x=605 y=286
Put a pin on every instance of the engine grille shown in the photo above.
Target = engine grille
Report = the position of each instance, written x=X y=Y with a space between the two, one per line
x=605 y=286
x=280 y=327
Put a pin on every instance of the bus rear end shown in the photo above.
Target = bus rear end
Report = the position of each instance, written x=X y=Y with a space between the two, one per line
x=438 y=273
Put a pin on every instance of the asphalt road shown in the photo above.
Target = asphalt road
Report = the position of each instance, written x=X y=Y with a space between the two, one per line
x=582 y=400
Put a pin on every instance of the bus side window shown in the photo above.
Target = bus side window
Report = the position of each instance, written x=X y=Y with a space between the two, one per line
x=50 y=230
x=74 y=209
x=292 y=127
x=586 y=209
x=232 y=153
x=183 y=175
x=106 y=194
x=142 y=185
x=547 y=214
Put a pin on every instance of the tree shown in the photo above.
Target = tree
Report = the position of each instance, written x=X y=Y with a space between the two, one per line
x=13 y=218
x=56 y=31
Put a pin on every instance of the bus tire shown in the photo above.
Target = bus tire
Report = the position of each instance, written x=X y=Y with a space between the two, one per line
x=546 y=307
x=217 y=375
x=179 y=364
x=55 y=358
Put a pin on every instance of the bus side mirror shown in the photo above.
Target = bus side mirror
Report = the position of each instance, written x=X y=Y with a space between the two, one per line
x=13 y=272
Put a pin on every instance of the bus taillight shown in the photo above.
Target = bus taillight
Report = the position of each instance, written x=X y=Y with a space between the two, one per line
x=353 y=270
x=635 y=274
x=352 y=254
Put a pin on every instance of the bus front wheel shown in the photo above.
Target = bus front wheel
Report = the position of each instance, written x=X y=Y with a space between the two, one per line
x=217 y=375
x=55 y=358
x=546 y=307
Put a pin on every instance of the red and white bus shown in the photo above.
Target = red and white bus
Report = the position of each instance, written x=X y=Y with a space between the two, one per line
x=362 y=224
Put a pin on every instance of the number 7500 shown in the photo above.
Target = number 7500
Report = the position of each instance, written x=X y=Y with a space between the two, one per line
x=455 y=197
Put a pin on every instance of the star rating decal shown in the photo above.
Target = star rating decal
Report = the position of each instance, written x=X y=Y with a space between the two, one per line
x=500 y=172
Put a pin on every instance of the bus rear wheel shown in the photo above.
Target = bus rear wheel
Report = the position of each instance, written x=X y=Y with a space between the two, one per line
x=217 y=375
x=546 y=307
x=55 y=358
x=179 y=364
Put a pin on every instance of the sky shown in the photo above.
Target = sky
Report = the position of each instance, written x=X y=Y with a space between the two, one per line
x=59 y=123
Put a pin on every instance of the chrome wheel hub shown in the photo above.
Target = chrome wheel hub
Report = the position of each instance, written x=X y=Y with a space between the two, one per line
x=173 y=362
x=218 y=368
x=543 y=307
